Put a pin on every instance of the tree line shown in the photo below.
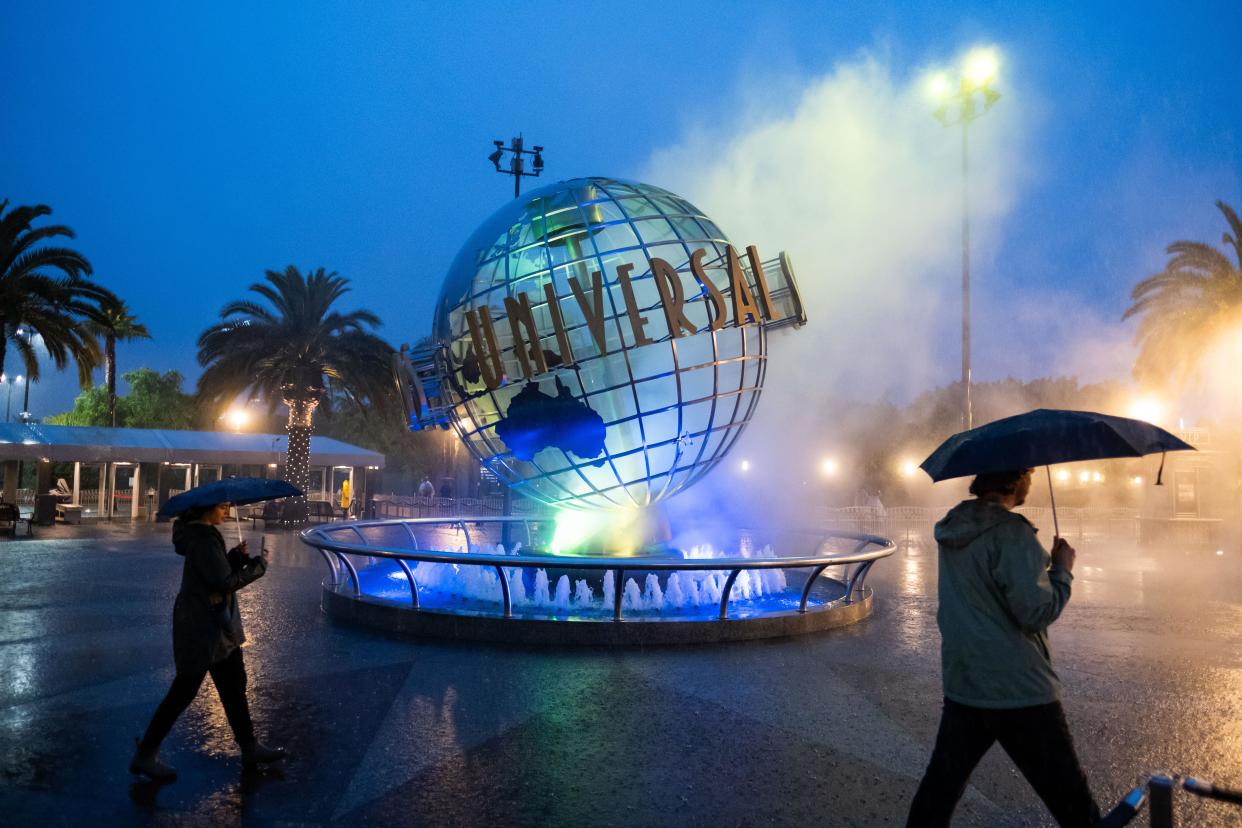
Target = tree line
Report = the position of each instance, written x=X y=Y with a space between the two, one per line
x=291 y=346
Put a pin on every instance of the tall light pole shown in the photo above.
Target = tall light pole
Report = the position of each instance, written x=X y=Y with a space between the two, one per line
x=517 y=164
x=24 y=414
x=10 y=382
x=959 y=106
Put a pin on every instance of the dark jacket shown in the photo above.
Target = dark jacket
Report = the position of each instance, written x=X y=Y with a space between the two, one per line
x=207 y=626
x=997 y=598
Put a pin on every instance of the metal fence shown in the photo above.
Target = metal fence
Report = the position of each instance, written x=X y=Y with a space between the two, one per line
x=910 y=524
x=397 y=506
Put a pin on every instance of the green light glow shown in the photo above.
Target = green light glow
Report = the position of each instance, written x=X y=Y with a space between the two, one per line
x=597 y=532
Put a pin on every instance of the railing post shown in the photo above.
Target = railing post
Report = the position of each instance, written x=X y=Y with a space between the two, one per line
x=409 y=577
x=504 y=591
x=810 y=582
x=617 y=592
x=1160 y=804
x=410 y=532
x=353 y=573
x=724 y=594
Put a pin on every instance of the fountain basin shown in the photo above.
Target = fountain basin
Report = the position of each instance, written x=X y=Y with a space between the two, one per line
x=388 y=574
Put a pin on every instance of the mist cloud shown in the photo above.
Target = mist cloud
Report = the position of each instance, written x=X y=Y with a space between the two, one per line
x=857 y=180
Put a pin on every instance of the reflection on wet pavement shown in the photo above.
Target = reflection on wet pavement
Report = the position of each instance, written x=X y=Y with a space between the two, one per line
x=832 y=729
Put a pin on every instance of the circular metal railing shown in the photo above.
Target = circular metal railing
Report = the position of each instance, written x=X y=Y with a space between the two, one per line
x=331 y=541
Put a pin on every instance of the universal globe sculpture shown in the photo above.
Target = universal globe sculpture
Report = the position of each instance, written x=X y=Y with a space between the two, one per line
x=599 y=343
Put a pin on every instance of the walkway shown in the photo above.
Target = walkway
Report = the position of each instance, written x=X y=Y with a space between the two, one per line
x=831 y=730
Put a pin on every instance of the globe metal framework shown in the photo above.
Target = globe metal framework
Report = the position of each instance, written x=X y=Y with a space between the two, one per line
x=671 y=406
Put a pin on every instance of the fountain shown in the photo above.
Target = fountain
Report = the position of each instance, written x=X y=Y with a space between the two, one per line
x=599 y=345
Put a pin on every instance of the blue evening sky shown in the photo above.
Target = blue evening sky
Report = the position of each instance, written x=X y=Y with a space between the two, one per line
x=192 y=146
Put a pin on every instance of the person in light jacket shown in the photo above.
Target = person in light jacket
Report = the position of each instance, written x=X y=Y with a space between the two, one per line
x=999 y=592
x=207 y=638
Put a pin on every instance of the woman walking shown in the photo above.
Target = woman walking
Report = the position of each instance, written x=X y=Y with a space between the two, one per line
x=207 y=638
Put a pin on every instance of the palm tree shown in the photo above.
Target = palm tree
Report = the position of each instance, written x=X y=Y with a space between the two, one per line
x=291 y=350
x=118 y=325
x=1186 y=308
x=42 y=290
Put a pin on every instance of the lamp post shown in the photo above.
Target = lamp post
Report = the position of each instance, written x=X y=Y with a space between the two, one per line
x=517 y=164
x=24 y=414
x=961 y=108
x=237 y=418
x=10 y=382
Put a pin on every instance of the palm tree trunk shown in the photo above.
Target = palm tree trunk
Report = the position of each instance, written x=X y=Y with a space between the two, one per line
x=297 y=464
x=110 y=376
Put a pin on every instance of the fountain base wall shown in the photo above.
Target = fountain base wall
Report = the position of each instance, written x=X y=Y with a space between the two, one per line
x=468 y=626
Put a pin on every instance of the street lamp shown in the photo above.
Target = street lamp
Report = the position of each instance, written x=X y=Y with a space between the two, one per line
x=961 y=108
x=24 y=414
x=517 y=164
x=237 y=418
x=10 y=382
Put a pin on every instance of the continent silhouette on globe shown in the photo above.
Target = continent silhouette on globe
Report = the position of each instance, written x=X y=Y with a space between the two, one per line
x=601 y=344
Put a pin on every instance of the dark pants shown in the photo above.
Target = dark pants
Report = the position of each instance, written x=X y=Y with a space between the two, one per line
x=229 y=676
x=1038 y=741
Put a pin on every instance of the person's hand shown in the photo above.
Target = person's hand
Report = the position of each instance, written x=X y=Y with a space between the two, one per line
x=242 y=547
x=1063 y=554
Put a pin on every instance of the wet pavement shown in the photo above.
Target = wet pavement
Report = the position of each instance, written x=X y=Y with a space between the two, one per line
x=833 y=729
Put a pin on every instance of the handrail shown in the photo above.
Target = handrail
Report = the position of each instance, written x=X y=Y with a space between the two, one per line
x=324 y=538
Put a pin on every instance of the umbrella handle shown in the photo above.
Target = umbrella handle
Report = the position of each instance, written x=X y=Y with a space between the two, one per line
x=1056 y=528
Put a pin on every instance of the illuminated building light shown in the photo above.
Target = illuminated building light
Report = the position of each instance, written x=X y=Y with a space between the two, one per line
x=237 y=418
x=1148 y=409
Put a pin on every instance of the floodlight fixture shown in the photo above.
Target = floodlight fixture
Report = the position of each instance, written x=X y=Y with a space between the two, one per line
x=517 y=164
x=981 y=67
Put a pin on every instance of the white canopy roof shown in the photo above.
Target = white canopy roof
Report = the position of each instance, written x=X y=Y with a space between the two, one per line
x=89 y=444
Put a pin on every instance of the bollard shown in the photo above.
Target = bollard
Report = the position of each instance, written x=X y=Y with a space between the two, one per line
x=1160 y=802
x=1126 y=809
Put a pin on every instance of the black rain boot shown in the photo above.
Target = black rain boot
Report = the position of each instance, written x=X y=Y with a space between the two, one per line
x=256 y=753
x=147 y=763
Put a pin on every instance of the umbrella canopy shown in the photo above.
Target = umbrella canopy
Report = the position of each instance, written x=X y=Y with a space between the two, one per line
x=236 y=490
x=1044 y=437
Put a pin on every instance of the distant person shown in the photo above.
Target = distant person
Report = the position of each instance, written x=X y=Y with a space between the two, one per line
x=344 y=499
x=207 y=638
x=998 y=595
x=426 y=489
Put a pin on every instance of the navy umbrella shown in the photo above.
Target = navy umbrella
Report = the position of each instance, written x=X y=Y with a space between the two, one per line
x=1043 y=437
x=236 y=490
